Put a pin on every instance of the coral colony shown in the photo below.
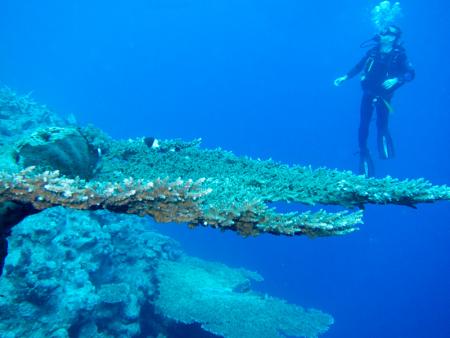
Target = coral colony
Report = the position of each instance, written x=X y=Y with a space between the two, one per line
x=78 y=266
x=180 y=182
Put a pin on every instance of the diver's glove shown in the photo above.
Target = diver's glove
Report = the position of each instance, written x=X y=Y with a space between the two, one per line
x=340 y=80
x=389 y=83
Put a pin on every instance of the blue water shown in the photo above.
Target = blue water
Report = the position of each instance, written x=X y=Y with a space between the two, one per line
x=255 y=77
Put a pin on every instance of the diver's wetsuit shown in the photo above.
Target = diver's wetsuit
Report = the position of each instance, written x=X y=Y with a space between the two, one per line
x=378 y=67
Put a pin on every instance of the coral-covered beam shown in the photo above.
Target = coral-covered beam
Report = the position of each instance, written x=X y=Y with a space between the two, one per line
x=177 y=201
x=326 y=186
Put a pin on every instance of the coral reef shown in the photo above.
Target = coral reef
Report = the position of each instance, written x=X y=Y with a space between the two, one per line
x=234 y=204
x=93 y=273
x=97 y=274
x=20 y=114
x=218 y=297
x=236 y=179
x=178 y=181
x=177 y=201
x=164 y=201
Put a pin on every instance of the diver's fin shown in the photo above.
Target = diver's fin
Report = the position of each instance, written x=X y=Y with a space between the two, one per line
x=366 y=166
x=388 y=106
x=385 y=147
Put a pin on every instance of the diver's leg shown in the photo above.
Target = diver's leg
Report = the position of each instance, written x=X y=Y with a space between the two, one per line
x=365 y=161
x=384 y=139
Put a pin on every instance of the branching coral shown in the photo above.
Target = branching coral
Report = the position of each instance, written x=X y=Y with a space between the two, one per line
x=165 y=201
x=188 y=201
x=206 y=187
x=176 y=201
x=335 y=187
x=242 y=180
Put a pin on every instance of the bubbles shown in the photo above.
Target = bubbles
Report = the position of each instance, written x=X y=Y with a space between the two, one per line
x=385 y=14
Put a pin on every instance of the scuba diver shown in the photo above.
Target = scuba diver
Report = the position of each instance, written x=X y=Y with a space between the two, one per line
x=385 y=68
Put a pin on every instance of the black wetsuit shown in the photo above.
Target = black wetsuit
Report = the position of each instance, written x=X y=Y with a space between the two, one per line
x=376 y=68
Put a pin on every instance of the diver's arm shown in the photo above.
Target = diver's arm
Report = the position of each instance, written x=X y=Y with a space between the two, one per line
x=352 y=73
x=358 y=67
x=355 y=70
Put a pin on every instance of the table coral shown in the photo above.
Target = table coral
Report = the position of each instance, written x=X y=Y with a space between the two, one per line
x=181 y=182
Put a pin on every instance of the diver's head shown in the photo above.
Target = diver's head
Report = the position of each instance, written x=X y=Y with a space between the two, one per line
x=391 y=35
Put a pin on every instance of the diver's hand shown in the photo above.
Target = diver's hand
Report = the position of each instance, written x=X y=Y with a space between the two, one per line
x=339 y=80
x=389 y=83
